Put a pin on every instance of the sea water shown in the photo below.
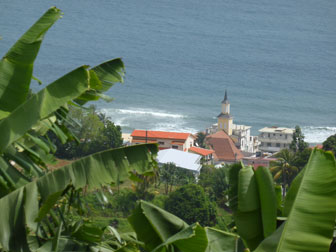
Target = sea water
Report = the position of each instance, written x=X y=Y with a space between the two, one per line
x=276 y=59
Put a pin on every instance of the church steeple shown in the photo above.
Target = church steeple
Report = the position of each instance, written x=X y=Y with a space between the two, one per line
x=225 y=105
x=225 y=98
x=224 y=118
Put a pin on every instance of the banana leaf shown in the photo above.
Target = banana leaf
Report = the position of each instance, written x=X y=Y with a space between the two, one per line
x=20 y=207
x=311 y=219
x=162 y=231
x=16 y=67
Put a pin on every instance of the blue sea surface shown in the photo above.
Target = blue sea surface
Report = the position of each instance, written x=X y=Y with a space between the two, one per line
x=277 y=59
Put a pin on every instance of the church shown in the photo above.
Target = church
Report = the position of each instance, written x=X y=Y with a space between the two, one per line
x=240 y=134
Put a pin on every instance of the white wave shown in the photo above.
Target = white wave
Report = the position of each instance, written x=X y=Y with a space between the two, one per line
x=154 y=113
x=174 y=127
x=317 y=134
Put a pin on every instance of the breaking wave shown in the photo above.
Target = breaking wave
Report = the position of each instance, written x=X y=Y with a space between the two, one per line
x=141 y=118
x=317 y=134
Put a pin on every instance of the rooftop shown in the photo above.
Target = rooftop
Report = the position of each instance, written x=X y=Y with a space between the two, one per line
x=277 y=130
x=160 y=134
x=181 y=159
x=224 y=147
x=201 y=151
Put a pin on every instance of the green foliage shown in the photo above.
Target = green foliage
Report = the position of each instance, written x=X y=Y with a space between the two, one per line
x=94 y=131
x=38 y=206
x=284 y=169
x=164 y=232
x=200 y=139
x=330 y=144
x=311 y=217
x=171 y=175
x=125 y=201
x=214 y=181
x=253 y=202
x=301 y=158
x=298 y=144
x=190 y=203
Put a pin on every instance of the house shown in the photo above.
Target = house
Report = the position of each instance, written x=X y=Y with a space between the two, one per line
x=165 y=140
x=255 y=162
x=240 y=134
x=181 y=159
x=224 y=148
x=205 y=153
x=273 y=139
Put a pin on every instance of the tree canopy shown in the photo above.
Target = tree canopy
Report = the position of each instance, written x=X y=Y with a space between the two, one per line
x=93 y=132
x=330 y=144
x=191 y=204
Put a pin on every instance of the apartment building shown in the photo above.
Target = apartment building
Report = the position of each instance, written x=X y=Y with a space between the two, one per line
x=273 y=139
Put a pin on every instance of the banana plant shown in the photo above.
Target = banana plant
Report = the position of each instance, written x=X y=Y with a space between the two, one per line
x=310 y=208
x=160 y=231
x=309 y=212
x=37 y=205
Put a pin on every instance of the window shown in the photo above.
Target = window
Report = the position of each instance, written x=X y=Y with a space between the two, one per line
x=280 y=134
x=269 y=144
x=161 y=143
x=277 y=144
x=261 y=144
x=175 y=147
x=269 y=134
x=286 y=136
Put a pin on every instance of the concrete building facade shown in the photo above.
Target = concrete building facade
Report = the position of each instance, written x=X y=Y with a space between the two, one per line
x=273 y=139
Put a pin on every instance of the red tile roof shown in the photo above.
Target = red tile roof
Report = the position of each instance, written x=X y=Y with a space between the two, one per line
x=201 y=151
x=224 y=147
x=160 y=134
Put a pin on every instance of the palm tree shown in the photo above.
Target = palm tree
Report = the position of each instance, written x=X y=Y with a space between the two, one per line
x=284 y=169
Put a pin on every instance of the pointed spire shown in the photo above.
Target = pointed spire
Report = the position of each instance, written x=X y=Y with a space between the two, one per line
x=225 y=98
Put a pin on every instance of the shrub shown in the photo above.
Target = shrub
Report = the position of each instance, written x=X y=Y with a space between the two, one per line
x=191 y=204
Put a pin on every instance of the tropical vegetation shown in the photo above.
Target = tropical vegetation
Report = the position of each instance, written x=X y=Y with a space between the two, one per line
x=41 y=208
x=93 y=132
x=44 y=209
x=330 y=144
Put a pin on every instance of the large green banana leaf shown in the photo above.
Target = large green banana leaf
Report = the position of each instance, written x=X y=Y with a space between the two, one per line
x=248 y=215
x=39 y=106
x=16 y=67
x=292 y=192
x=20 y=208
x=311 y=219
x=162 y=231
x=268 y=199
x=253 y=202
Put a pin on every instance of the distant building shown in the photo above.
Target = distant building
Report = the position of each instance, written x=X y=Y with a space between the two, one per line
x=165 y=140
x=224 y=148
x=205 y=153
x=273 y=139
x=181 y=159
x=255 y=162
x=240 y=134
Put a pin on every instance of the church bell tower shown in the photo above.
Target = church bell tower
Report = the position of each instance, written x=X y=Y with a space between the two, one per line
x=224 y=118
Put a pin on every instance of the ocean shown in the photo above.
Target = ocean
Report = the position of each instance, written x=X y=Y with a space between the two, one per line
x=276 y=59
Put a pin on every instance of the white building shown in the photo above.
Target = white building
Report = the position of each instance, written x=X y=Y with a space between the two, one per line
x=273 y=139
x=240 y=134
x=181 y=159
